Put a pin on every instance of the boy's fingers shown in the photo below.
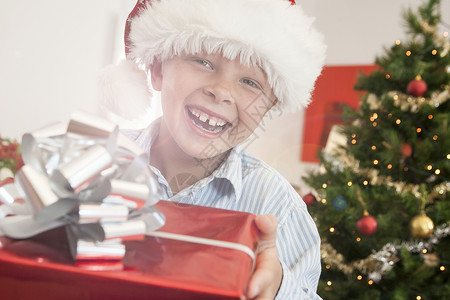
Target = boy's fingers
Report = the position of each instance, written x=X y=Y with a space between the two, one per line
x=266 y=279
x=266 y=223
x=261 y=280
x=267 y=226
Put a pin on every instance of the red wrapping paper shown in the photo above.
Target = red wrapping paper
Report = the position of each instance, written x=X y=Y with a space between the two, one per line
x=155 y=268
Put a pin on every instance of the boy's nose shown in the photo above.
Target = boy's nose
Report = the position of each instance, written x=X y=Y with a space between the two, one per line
x=220 y=91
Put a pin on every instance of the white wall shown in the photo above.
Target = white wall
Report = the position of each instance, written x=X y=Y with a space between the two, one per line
x=50 y=54
x=52 y=50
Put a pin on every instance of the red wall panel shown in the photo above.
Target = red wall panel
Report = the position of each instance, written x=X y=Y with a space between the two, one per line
x=333 y=87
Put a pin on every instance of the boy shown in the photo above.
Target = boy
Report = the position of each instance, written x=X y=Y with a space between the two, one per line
x=220 y=66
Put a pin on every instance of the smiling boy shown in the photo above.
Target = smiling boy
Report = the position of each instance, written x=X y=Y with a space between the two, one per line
x=220 y=66
x=207 y=99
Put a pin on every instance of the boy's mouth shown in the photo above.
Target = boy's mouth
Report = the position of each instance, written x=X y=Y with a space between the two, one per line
x=206 y=122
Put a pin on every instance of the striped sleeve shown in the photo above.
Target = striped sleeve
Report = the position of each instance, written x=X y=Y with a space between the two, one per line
x=298 y=246
x=298 y=241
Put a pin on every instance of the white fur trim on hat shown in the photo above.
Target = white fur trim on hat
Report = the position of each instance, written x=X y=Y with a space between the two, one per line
x=273 y=34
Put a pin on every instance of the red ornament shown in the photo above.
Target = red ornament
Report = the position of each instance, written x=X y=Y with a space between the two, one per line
x=406 y=150
x=417 y=87
x=367 y=225
x=309 y=199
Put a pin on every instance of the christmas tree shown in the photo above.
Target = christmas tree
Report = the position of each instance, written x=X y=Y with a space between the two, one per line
x=382 y=198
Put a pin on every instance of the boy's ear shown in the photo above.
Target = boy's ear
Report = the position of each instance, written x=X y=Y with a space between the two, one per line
x=156 y=75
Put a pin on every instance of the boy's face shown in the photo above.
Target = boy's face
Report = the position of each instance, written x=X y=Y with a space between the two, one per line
x=210 y=104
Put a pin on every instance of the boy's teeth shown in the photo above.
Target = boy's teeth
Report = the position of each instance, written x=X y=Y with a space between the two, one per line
x=195 y=113
x=212 y=122
x=203 y=117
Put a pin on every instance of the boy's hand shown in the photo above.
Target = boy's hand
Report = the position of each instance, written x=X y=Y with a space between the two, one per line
x=268 y=274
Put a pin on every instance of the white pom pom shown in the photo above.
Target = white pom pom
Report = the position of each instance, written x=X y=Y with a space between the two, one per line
x=124 y=90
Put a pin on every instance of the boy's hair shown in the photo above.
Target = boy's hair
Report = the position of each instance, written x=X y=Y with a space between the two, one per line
x=276 y=35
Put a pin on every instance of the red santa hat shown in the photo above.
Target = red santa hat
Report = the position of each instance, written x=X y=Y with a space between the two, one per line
x=273 y=34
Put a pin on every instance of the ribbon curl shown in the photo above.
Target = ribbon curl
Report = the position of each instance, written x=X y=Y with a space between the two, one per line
x=88 y=177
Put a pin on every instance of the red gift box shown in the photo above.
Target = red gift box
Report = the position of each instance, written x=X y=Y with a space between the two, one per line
x=154 y=268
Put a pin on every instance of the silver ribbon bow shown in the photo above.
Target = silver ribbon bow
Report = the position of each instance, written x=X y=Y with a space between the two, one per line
x=88 y=177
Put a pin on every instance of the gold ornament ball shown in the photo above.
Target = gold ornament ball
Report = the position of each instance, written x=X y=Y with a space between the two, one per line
x=421 y=226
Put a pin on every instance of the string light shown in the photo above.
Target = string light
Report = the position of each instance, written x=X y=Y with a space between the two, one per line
x=418 y=298
x=324 y=185
x=419 y=130
x=398 y=121
x=358 y=239
x=434 y=52
x=435 y=137
x=359 y=277
x=424 y=251
x=448 y=156
x=405 y=169
x=354 y=135
x=328 y=267
x=442 y=268
x=437 y=172
x=365 y=182
x=389 y=114
x=374 y=124
x=329 y=283
x=374 y=147
x=389 y=166
x=331 y=229
x=429 y=167
x=397 y=42
x=349 y=183
x=375 y=162
x=324 y=201
x=430 y=117
x=387 y=76
x=353 y=141
x=370 y=282
x=408 y=53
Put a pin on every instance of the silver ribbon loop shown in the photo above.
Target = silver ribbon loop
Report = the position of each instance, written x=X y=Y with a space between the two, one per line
x=136 y=192
x=83 y=124
x=88 y=178
x=78 y=173
x=127 y=231
x=45 y=203
x=36 y=187
x=98 y=130
x=92 y=213
x=40 y=148
x=99 y=251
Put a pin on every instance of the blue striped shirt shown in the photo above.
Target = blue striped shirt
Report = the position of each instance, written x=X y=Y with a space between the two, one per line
x=245 y=183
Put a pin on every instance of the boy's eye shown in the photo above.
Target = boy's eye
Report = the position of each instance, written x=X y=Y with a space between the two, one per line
x=204 y=62
x=250 y=83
